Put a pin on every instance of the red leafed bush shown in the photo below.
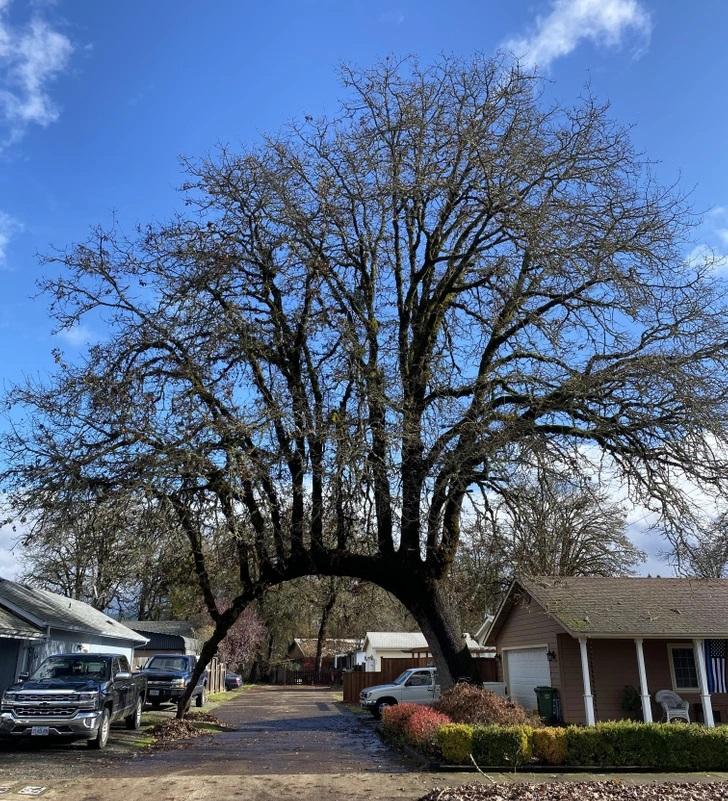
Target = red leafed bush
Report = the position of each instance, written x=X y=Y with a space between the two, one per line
x=395 y=718
x=467 y=703
x=421 y=728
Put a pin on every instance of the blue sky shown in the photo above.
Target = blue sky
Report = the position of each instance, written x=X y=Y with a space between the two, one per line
x=98 y=100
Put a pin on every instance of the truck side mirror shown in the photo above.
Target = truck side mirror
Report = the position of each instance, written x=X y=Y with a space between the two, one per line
x=123 y=675
x=23 y=676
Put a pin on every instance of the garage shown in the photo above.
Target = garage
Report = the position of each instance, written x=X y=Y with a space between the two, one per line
x=526 y=668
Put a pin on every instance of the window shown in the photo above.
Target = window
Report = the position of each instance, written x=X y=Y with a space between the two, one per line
x=420 y=680
x=682 y=668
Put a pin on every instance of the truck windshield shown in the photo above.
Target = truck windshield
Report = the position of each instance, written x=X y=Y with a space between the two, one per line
x=167 y=663
x=402 y=678
x=74 y=667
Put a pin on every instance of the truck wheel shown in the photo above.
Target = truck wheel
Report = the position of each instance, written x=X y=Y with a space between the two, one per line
x=102 y=735
x=201 y=699
x=134 y=721
x=381 y=705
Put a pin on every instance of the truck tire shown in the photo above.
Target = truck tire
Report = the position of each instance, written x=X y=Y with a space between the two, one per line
x=134 y=721
x=381 y=705
x=102 y=735
x=201 y=699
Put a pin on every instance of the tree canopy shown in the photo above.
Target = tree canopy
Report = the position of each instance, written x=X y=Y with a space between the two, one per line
x=367 y=325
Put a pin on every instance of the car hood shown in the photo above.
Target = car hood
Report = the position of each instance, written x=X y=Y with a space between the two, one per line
x=378 y=687
x=65 y=683
x=165 y=675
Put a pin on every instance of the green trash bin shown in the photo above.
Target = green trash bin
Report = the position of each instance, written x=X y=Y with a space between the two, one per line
x=549 y=704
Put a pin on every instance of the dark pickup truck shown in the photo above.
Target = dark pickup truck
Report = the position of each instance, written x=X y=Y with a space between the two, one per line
x=75 y=697
x=168 y=676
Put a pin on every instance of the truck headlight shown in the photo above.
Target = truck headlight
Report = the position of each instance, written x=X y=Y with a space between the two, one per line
x=9 y=698
x=179 y=683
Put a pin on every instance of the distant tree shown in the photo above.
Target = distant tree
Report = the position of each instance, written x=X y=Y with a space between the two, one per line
x=242 y=641
x=370 y=323
x=705 y=552
x=559 y=529
x=113 y=553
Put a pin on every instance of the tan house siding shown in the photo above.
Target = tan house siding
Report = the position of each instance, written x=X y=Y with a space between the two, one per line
x=527 y=626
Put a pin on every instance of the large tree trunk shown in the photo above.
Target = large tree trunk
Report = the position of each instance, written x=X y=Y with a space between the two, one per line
x=425 y=599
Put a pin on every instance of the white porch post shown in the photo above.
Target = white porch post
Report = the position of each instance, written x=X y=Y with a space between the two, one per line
x=588 y=698
x=644 y=691
x=703 y=683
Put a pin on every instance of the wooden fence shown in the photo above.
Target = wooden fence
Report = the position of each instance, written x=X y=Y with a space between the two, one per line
x=356 y=681
x=216 y=676
x=326 y=677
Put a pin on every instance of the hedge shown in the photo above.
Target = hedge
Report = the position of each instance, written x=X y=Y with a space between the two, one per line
x=456 y=742
x=622 y=744
x=502 y=745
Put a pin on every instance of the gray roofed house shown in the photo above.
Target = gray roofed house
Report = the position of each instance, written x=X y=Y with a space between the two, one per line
x=37 y=623
x=164 y=636
x=591 y=637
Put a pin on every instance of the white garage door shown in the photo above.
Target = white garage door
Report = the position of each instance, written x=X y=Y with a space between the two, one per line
x=527 y=668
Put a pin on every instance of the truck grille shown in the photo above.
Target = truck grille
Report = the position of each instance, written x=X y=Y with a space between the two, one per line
x=67 y=698
x=45 y=711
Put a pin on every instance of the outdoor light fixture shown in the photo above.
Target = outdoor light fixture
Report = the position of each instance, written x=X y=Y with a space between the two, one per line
x=551 y=656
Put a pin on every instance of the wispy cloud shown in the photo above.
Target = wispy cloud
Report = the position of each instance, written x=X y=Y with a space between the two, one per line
x=31 y=57
x=713 y=249
x=77 y=336
x=569 y=22
x=8 y=227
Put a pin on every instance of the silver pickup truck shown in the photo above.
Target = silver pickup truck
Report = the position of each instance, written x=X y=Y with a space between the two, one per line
x=414 y=686
x=74 y=697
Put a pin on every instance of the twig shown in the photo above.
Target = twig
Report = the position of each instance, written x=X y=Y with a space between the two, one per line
x=489 y=778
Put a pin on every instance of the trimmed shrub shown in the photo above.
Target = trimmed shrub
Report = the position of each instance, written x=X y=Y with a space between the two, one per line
x=456 y=742
x=549 y=745
x=420 y=728
x=496 y=746
x=394 y=719
x=467 y=703
x=661 y=746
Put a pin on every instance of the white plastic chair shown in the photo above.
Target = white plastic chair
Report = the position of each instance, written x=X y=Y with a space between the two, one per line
x=674 y=706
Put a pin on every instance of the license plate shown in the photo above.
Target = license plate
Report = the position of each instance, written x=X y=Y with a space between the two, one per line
x=154 y=692
x=40 y=731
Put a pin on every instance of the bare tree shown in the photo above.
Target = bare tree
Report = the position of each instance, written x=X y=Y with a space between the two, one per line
x=373 y=321
x=558 y=529
x=705 y=553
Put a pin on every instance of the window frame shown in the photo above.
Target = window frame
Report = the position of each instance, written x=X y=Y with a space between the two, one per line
x=673 y=646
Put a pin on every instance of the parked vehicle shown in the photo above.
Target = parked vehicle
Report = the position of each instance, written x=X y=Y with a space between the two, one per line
x=233 y=681
x=168 y=676
x=74 y=697
x=414 y=686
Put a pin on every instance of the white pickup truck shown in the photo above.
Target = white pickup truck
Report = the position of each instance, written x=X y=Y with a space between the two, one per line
x=414 y=686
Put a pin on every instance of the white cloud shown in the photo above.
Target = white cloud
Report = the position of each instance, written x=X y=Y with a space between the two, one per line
x=603 y=22
x=77 y=336
x=713 y=249
x=31 y=56
x=10 y=566
x=8 y=226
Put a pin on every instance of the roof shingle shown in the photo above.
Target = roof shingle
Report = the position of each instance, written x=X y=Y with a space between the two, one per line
x=46 y=608
x=634 y=606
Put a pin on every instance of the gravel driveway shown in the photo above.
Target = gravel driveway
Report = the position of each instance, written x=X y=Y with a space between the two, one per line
x=286 y=744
